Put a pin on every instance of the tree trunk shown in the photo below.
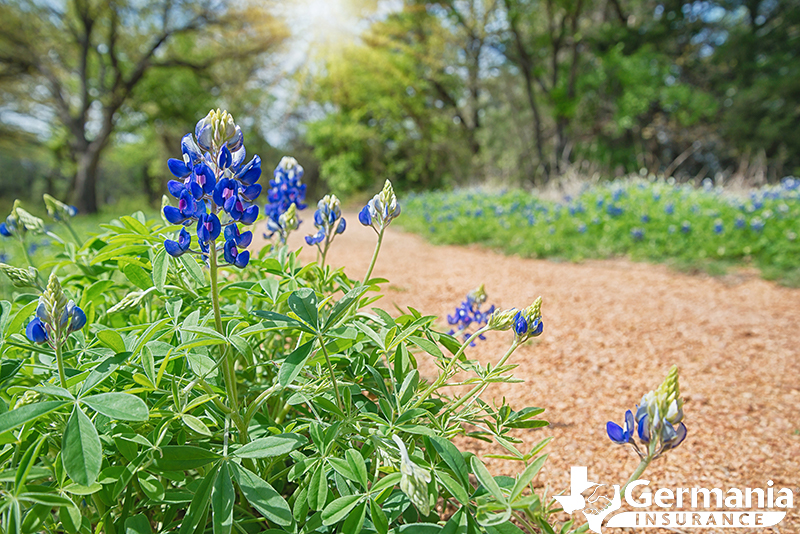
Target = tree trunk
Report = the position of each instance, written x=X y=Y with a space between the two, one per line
x=84 y=194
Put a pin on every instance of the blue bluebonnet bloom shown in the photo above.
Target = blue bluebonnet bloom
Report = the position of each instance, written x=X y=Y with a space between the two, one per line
x=216 y=189
x=286 y=223
x=19 y=222
x=56 y=316
x=329 y=222
x=381 y=209
x=58 y=210
x=637 y=234
x=620 y=434
x=658 y=421
x=686 y=227
x=718 y=228
x=469 y=312
x=285 y=190
x=757 y=224
x=528 y=323
x=669 y=209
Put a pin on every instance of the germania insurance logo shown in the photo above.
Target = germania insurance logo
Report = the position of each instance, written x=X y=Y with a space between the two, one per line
x=662 y=507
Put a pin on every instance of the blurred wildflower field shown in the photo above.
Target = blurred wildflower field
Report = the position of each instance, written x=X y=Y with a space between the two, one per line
x=708 y=228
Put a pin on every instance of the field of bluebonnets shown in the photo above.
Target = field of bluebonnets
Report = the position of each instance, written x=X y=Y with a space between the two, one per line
x=698 y=228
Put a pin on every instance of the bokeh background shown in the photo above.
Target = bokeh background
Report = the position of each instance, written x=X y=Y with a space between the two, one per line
x=95 y=95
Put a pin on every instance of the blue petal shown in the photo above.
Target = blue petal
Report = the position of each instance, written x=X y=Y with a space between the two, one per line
x=316 y=238
x=250 y=215
x=173 y=215
x=78 y=319
x=341 y=227
x=4 y=230
x=644 y=430
x=178 y=168
x=229 y=251
x=225 y=158
x=173 y=248
x=520 y=324
x=364 y=216
x=216 y=227
x=35 y=331
x=189 y=147
x=196 y=190
x=615 y=432
x=251 y=172
x=175 y=188
x=242 y=259
x=184 y=240
x=251 y=192
x=244 y=239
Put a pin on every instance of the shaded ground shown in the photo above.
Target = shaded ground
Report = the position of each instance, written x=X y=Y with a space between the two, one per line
x=612 y=330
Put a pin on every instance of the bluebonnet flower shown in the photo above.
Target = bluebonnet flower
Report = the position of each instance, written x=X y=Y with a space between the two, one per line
x=637 y=234
x=285 y=189
x=686 y=227
x=58 y=210
x=469 y=312
x=718 y=228
x=645 y=218
x=217 y=189
x=528 y=323
x=3 y=257
x=757 y=224
x=381 y=209
x=658 y=421
x=19 y=222
x=582 y=228
x=56 y=316
x=619 y=434
x=284 y=225
x=614 y=210
x=329 y=222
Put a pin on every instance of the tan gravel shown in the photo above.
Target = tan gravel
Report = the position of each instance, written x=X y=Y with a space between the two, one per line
x=612 y=330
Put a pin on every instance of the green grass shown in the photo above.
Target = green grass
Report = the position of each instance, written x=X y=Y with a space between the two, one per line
x=708 y=229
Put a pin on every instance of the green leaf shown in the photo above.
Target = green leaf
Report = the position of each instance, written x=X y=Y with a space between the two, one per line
x=486 y=480
x=420 y=528
x=5 y=314
x=195 y=424
x=339 y=508
x=357 y=465
x=526 y=477
x=277 y=321
x=103 y=370
x=138 y=524
x=262 y=496
x=452 y=457
x=241 y=345
x=378 y=517
x=341 y=307
x=81 y=451
x=271 y=446
x=119 y=406
x=303 y=302
x=199 y=505
x=222 y=499
x=19 y=416
x=23 y=316
x=160 y=269
x=112 y=340
x=182 y=458
x=355 y=520
x=193 y=268
x=427 y=345
x=25 y=464
x=294 y=363
x=453 y=487
x=137 y=276
x=70 y=517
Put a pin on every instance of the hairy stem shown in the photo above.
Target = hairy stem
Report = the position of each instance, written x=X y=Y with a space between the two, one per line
x=228 y=371
x=60 y=361
x=636 y=474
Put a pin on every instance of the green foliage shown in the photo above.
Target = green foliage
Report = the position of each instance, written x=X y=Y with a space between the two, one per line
x=703 y=228
x=333 y=428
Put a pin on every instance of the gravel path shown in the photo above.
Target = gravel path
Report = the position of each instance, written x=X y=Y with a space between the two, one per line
x=612 y=330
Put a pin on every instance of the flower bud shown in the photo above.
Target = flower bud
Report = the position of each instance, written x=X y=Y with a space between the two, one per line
x=414 y=480
x=57 y=209
x=25 y=219
x=502 y=320
x=129 y=302
x=20 y=277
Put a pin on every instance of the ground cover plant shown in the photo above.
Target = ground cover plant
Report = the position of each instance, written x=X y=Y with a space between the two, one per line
x=706 y=228
x=162 y=380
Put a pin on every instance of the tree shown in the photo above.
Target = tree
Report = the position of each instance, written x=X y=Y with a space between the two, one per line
x=76 y=65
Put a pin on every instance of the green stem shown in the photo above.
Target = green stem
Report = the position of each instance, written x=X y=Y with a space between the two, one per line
x=333 y=375
x=60 y=360
x=72 y=231
x=374 y=257
x=446 y=374
x=25 y=251
x=483 y=383
x=228 y=372
x=636 y=474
